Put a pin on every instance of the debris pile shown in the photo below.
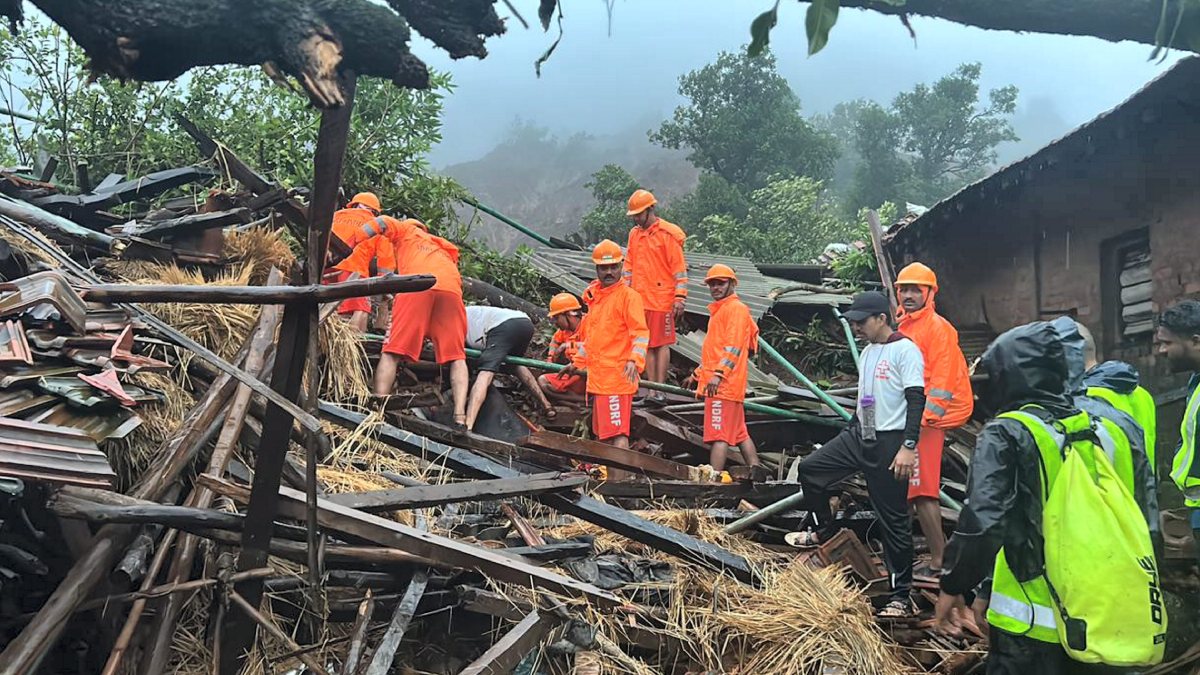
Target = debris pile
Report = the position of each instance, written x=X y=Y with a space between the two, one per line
x=140 y=391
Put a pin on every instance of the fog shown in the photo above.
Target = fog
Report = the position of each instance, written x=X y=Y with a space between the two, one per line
x=607 y=84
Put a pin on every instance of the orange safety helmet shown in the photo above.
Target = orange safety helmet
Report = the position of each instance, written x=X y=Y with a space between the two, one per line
x=639 y=201
x=917 y=274
x=367 y=199
x=563 y=303
x=720 y=271
x=607 y=252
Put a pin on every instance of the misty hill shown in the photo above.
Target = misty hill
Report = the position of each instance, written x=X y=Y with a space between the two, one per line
x=539 y=179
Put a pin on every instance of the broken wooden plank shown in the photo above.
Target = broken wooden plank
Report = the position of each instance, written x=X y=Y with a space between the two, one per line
x=509 y=650
x=435 y=495
x=604 y=453
x=190 y=223
x=358 y=634
x=177 y=517
x=608 y=516
x=257 y=295
x=396 y=535
x=381 y=660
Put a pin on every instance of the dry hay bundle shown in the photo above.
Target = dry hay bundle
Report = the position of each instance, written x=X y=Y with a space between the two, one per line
x=221 y=328
x=344 y=372
x=797 y=621
x=360 y=449
x=132 y=455
x=260 y=247
x=31 y=251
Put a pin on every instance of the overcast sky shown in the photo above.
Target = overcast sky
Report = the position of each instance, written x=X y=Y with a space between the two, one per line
x=603 y=84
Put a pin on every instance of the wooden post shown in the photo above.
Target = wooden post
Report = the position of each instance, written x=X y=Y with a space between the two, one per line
x=886 y=275
x=298 y=349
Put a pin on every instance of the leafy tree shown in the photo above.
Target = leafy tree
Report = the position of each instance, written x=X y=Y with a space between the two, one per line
x=932 y=140
x=611 y=187
x=791 y=219
x=712 y=196
x=743 y=124
x=131 y=130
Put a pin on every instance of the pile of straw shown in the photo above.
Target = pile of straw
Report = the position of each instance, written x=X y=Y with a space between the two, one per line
x=262 y=248
x=132 y=455
x=798 y=620
x=27 y=248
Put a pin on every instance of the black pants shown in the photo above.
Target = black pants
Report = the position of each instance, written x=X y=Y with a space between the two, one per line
x=847 y=454
x=509 y=338
x=1010 y=654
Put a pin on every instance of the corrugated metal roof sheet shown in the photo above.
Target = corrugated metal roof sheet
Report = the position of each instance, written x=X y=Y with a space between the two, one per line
x=573 y=270
x=54 y=454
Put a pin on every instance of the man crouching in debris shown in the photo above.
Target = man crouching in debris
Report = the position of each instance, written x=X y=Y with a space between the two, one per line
x=567 y=314
x=723 y=371
x=880 y=443
x=613 y=351
x=363 y=208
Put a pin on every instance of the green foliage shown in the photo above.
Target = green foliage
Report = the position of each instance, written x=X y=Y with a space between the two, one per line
x=505 y=270
x=760 y=30
x=713 y=196
x=858 y=266
x=130 y=129
x=931 y=141
x=743 y=124
x=818 y=21
x=789 y=220
x=611 y=187
x=819 y=350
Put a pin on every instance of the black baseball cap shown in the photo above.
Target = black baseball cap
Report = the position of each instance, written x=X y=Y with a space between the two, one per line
x=867 y=304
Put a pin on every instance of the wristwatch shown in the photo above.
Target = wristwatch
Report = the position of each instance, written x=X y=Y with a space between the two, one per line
x=910 y=444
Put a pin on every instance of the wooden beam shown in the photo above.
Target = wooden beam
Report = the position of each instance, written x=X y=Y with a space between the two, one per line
x=396 y=535
x=385 y=653
x=435 y=495
x=252 y=613
x=190 y=223
x=177 y=517
x=507 y=653
x=358 y=634
x=595 y=451
x=263 y=505
x=614 y=518
x=258 y=295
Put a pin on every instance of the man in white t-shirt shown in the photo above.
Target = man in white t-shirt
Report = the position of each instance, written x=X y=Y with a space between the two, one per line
x=498 y=332
x=879 y=443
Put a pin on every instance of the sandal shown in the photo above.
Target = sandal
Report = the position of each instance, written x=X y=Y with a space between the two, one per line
x=806 y=539
x=460 y=423
x=896 y=609
x=928 y=571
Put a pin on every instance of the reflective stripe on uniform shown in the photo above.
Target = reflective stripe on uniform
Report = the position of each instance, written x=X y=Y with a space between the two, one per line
x=1181 y=466
x=1108 y=443
x=1020 y=610
x=736 y=351
x=934 y=408
x=941 y=393
x=728 y=364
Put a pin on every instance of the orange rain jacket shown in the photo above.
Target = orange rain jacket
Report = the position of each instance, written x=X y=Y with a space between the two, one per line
x=564 y=345
x=614 y=331
x=948 y=397
x=732 y=335
x=654 y=265
x=345 y=223
x=416 y=251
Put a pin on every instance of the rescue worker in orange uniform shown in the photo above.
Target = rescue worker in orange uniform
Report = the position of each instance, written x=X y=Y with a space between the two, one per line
x=948 y=397
x=656 y=269
x=437 y=313
x=613 y=351
x=363 y=207
x=724 y=369
x=567 y=314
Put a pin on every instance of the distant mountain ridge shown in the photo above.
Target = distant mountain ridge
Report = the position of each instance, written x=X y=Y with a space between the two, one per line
x=539 y=179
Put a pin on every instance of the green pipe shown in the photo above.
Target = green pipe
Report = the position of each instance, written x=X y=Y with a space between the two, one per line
x=671 y=389
x=507 y=221
x=849 y=335
x=824 y=398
